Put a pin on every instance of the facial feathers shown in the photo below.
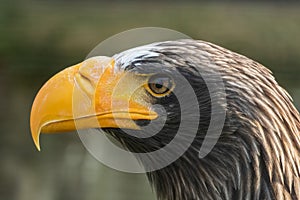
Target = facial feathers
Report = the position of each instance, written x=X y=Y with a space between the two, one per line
x=258 y=153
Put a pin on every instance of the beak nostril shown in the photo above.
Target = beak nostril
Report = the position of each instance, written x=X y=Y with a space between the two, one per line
x=85 y=83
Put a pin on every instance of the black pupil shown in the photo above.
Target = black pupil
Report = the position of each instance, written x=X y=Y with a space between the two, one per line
x=158 y=85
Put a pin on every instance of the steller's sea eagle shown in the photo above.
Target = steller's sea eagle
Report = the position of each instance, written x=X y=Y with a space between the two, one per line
x=256 y=156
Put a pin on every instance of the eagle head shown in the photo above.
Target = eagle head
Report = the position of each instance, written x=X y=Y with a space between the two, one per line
x=145 y=96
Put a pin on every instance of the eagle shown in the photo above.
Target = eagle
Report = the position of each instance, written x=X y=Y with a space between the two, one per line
x=255 y=156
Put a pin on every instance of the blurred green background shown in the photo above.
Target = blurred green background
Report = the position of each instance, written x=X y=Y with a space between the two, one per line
x=40 y=38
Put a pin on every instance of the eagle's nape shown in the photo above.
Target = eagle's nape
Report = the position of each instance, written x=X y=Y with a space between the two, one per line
x=258 y=153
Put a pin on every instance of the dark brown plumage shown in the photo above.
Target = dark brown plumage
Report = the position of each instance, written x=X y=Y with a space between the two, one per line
x=257 y=155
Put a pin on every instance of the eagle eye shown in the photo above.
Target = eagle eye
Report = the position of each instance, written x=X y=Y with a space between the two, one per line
x=160 y=85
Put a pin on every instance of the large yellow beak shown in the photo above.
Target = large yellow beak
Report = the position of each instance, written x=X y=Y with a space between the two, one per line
x=92 y=94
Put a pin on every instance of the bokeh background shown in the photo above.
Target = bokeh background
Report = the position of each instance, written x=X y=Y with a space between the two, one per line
x=40 y=38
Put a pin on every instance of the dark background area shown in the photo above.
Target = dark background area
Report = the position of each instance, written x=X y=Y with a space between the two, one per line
x=40 y=38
